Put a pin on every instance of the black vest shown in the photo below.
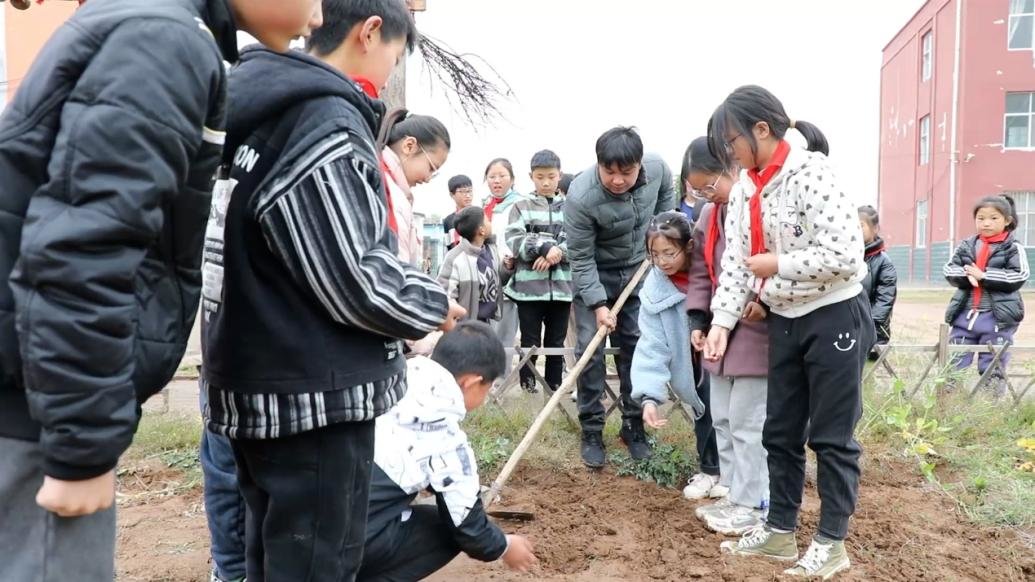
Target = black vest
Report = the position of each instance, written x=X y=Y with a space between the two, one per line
x=263 y=332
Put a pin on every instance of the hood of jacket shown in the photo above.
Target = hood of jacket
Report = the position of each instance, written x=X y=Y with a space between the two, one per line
x=659 y=292
x=297 y=77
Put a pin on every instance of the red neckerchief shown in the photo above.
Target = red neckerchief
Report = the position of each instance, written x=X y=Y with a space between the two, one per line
x=876 y=251
x=371 y=91
x=711 y=239
x=760 y=180
x=681 y=280
x=492 y=204
x=982 y=258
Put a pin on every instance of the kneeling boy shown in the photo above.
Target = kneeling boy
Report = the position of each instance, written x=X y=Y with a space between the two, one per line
x=420 y=446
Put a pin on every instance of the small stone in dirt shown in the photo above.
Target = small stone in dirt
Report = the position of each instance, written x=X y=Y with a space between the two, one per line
x=659 y=572
x=607 y=530
x=698 y=573
x=669 y=556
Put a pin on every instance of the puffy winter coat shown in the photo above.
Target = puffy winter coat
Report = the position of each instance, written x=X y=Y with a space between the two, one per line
x=606 y=231
x=107 y=158
x=881 y=286
x=1005 y=274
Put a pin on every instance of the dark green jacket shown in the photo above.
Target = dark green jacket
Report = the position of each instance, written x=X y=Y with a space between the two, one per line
x=606 y=231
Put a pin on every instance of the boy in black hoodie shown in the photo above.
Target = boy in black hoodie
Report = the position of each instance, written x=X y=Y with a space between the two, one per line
x=304 y=301
x=107 y=154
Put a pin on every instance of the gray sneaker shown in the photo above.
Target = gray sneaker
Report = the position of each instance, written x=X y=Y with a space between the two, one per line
x=734 y=520
x=821 y=561
x=703 y=511
x=763 y=541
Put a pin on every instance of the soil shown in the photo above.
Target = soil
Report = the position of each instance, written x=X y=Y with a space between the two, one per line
x=594 y=526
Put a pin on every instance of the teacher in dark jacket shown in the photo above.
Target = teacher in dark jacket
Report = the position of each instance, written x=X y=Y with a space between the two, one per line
x=606 y=216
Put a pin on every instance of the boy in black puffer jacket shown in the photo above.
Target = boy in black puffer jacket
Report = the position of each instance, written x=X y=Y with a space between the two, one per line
x=881 y=281
x=989 y=270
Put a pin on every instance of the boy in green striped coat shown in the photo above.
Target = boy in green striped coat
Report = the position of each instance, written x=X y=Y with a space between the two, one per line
x=541 y=286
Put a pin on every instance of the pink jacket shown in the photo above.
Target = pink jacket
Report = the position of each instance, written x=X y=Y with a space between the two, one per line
x=411 y=245
x=748 y=351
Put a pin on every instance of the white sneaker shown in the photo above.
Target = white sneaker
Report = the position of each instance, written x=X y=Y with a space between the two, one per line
x=704 y=510
x=700 y=486
x=734 y=520
x=718 y=491
x=821 y=561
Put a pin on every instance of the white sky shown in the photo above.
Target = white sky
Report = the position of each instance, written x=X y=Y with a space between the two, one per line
x=579 y=67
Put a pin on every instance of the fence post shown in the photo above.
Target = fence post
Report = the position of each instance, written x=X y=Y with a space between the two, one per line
x=943 y=347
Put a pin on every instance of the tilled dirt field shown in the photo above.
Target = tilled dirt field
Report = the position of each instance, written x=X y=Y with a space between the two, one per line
x=599 y=527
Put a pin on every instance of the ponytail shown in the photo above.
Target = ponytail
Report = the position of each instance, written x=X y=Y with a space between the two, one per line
x=814 y=139
x=398 y=124
x=749 y=105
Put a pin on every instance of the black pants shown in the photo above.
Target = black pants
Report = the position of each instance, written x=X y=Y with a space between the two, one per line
x=307 y=502
x=409 y=550
x=625 y=337
x=707 y=448
x=815 y=394
x=534 y=316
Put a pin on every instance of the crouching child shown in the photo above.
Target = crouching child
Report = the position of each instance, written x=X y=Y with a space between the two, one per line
x=419 y=446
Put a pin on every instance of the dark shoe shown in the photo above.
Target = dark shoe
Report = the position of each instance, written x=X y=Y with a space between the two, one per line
x=635 y=438
x=593 y=449
x=528 y=385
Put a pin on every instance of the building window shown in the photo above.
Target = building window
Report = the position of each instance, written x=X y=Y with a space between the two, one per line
x=1025 y=201
x=925 y=140
x=927 y=56
x=1019 y=33
x=921 y=224
x=1020 y=116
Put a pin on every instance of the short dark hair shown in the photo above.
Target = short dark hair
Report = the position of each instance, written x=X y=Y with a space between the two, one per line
x=1003 y=204
x=565 y=182
x=459 y=181
x=869 y=214
x=471 y=348
x=468 y=221
x=341 y=16
x=619 y=146
x=503 y=162
x=545 y=159
x=749 y=105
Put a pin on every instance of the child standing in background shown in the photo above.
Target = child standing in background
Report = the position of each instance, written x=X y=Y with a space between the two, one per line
x=881 y=281
x=472 y=272
x=541 y=286
x=988 y=270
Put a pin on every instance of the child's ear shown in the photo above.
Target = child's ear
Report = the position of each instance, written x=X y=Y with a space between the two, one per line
x=371 y=27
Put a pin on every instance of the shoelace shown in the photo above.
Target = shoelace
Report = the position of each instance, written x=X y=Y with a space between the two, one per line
x=754 y=537
x=702 y=478
x=815 y=557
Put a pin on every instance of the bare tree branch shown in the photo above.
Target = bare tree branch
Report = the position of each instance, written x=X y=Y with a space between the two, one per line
x=467 y=90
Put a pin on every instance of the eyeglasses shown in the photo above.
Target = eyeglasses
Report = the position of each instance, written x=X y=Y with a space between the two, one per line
x=463 y=191
x=434 y=168
x=703 y=193
x=666 y=257
x=728 y=144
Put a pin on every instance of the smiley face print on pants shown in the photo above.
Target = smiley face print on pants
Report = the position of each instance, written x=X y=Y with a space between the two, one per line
x=845 y=338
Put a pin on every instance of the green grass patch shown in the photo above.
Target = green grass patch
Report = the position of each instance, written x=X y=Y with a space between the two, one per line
x=171 y=439
x=971 y=448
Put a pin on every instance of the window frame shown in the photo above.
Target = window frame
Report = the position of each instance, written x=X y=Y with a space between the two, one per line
x=1030 y=115
x=1009 y=26
x=927 y=56
x=924 y=141
x=921 y=222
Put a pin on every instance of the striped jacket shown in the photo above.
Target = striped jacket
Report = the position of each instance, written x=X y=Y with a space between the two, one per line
x=304 y=297
x=536 y=225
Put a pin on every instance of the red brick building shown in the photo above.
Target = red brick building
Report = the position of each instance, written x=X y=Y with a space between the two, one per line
x=957 y=123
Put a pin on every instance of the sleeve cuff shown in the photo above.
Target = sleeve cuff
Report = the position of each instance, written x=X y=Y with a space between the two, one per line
x=58 y=470
x=724 y=319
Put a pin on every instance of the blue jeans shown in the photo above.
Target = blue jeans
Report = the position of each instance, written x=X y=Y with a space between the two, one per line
x=224 y=505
